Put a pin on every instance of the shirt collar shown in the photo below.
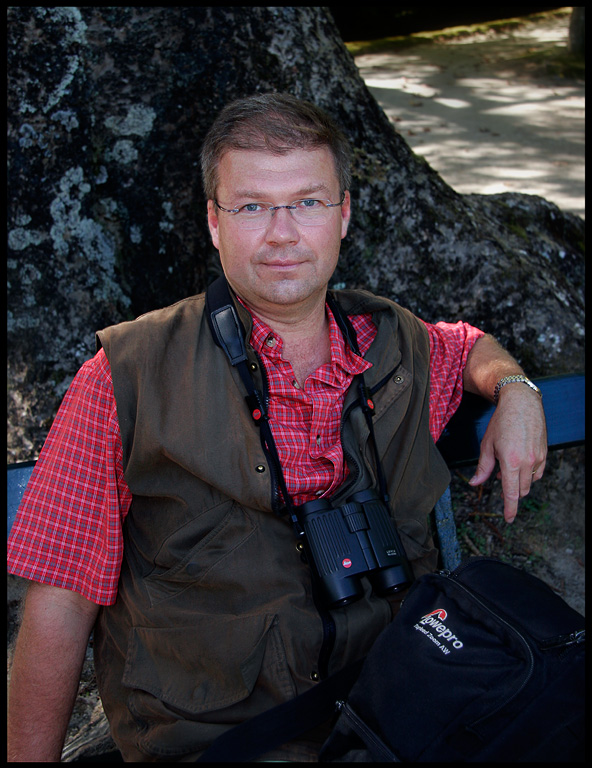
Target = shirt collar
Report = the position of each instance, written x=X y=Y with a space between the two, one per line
x=343 y=360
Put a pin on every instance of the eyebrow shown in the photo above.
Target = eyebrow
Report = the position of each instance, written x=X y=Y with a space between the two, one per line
x=312 y=189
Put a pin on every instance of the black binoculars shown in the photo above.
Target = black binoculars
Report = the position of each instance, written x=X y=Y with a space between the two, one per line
x=357 y=539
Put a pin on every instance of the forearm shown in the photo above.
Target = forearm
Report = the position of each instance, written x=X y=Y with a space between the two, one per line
x=516 y=435
x=45 y=672
x=487 y=363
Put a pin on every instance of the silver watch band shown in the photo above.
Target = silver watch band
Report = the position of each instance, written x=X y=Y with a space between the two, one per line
x=511 y=380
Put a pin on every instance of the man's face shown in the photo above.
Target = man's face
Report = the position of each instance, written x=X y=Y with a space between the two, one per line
x=285 y=264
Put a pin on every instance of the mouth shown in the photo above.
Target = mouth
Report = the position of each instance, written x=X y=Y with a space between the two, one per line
x=282 y=264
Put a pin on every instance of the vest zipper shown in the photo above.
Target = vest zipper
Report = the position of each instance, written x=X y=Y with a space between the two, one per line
x=329 y=629
x=329 y=634
x=328 y=623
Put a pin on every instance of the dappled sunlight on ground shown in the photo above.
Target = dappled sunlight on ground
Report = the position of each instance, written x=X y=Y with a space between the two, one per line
x=483 y=116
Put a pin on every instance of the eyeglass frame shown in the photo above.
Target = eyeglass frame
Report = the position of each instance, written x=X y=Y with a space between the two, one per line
x=273 y=208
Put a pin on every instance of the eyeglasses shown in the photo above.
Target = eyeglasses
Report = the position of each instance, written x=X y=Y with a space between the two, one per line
x=308 y=212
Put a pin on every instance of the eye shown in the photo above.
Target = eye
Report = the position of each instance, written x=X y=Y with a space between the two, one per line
x=250 y=208
x=309 y=203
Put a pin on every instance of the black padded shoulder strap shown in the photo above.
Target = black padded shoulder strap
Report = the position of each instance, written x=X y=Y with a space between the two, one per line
x=229 y=334
x=227 y=330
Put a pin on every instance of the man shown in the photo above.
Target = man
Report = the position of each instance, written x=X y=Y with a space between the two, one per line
x=155 y=510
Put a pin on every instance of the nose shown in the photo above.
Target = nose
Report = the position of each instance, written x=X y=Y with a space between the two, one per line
x=282 y=228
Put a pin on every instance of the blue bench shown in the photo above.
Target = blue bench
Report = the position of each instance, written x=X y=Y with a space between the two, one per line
x=18 y=477
x=563 y=400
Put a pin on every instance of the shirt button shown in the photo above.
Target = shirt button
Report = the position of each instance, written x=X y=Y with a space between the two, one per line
x=295 y=384
x=318 y=439
x=270 y=340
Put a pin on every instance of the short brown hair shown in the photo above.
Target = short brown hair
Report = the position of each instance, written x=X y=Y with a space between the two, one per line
x=273 y=122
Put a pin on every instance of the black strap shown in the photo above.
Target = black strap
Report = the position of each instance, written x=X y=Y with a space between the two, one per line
x=229 y=334
x=270 y=729
x=366 y=401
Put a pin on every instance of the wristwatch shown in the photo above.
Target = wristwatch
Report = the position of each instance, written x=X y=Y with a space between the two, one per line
x=511 y=380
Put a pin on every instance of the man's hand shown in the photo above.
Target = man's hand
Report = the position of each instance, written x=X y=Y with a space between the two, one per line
x=517 y=438
x=517 y=434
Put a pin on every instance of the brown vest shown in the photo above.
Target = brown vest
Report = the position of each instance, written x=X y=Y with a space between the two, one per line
x=214 y=620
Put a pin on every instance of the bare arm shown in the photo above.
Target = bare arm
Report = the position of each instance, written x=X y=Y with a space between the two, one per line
x=516 y=436
x=46 y=670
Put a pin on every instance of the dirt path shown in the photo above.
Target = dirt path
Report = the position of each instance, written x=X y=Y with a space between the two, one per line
x=498 y=110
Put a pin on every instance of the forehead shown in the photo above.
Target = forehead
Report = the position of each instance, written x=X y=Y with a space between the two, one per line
x=257 y=174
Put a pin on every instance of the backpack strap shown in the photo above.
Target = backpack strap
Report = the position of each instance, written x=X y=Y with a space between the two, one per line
x=270 y=729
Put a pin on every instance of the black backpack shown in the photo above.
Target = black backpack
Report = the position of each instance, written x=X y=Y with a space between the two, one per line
x=484 y=664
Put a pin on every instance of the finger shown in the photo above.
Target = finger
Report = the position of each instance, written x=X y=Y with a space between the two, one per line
x=537 y=472
x=511 y=493
x=485 y=466
x=526 y=477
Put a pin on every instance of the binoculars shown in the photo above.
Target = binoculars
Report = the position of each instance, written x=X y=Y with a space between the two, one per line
x=357 y=539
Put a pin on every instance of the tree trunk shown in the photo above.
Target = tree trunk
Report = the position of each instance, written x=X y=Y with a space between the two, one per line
x=577 y=31
x=107 y=109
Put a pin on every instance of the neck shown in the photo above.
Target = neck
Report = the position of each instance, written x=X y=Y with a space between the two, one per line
x=304 y=333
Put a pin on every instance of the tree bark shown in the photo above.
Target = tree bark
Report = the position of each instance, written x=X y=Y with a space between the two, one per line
x=577 y=31
x=107 y=108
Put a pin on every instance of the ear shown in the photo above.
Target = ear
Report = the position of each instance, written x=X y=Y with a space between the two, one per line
x=213 y=223
x=345 y=214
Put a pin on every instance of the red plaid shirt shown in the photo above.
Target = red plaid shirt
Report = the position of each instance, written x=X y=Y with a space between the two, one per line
x=68 y=531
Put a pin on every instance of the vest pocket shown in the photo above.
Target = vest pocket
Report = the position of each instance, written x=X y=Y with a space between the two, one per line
x=209 y=541
x=184 y=680
x=198 y=676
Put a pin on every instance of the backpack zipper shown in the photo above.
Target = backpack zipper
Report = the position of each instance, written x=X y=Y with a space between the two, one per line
x=381 y=753
x=562 y=641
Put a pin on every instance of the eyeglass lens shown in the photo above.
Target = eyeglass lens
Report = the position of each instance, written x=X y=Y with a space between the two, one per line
x=305 y=212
